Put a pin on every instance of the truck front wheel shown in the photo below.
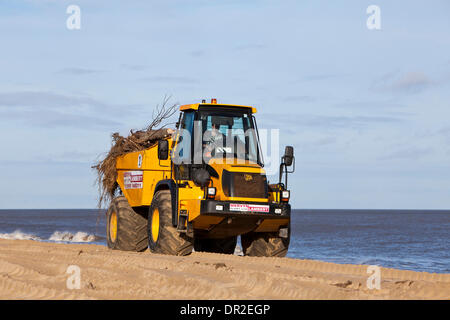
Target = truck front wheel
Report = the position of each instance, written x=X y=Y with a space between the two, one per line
x=163 y=237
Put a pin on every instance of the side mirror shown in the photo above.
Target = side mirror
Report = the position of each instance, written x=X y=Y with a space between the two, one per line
x=163 y=149
x=288 y=155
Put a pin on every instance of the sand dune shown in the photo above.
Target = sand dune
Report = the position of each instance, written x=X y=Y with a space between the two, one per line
x=37 y=270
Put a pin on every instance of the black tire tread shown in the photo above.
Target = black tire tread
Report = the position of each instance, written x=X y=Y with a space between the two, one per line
x=264 y=244
x=131 y=227
x=170 y=241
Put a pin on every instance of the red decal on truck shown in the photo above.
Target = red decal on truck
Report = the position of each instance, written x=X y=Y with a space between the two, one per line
x=133 y=179
x=248 y=207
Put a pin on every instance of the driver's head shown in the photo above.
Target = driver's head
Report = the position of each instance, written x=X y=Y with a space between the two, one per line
x=215 y=126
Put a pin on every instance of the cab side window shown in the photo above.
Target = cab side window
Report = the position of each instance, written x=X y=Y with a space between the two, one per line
x=185 y=136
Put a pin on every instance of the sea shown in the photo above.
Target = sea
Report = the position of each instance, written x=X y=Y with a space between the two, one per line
x=417 y=240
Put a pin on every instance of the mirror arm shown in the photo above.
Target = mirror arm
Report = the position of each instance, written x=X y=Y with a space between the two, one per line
x=286 y=178
x=282 y=169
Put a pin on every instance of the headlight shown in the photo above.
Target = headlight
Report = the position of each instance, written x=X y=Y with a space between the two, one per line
x=285 y=195
x=211 y=192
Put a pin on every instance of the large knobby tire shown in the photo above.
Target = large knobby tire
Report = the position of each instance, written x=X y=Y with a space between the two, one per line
x=163 y=237
x=125 y=229
x=224 y=245
x=265 y=244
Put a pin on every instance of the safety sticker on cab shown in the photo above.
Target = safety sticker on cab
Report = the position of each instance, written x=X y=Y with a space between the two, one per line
x=133 y=179
x=248 y=207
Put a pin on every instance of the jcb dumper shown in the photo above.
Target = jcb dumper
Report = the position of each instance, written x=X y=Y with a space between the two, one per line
x=201 y=188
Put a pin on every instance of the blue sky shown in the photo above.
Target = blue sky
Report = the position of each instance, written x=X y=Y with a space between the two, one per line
x=367 y=111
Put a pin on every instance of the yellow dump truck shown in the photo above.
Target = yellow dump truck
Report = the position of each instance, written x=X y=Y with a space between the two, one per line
x=201 y=188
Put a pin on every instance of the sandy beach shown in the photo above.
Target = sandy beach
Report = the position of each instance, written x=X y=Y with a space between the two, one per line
x=38 y=270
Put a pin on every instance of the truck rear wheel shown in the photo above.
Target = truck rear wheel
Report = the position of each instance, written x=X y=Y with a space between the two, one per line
x=125 y=229
x=265 y=244
x=224 y=245
x=163 y=237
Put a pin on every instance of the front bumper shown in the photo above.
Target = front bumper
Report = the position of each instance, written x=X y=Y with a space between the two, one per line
x=245 y=209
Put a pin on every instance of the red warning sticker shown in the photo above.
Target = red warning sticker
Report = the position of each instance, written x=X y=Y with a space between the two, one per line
x=133 y=179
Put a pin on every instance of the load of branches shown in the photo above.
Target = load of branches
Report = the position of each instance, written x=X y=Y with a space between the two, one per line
x=136 y=141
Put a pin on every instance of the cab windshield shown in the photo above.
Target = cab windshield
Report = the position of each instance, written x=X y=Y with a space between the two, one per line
x=228 y=134
x=218 y=133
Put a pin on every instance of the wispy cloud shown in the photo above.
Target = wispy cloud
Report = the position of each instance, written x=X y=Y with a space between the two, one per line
x=50 y=109
x=318 y=77
x=320 y=121
x=410 y=82
x=73 y=156
x=168 y=79
x=45 y=99
x=305 y=98
x=250 y=46
x=56 y=119
x=409 y=153
x=78 y=71
x=325 y=141
x=134 y=67
x=445 y=131
x=197 y=53
x=370 y=104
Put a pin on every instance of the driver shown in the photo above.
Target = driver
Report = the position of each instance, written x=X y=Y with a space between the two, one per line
x=212 y=139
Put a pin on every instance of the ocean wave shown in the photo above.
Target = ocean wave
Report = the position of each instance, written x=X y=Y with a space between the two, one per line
x=57 y=236
x=19 y=235
x=66 y=236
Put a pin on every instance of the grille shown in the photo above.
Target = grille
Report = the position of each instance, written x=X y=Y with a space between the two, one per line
x=247 y=185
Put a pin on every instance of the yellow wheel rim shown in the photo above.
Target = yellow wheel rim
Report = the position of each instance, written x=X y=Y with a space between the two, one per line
x=113 y=226
x=155 y=225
